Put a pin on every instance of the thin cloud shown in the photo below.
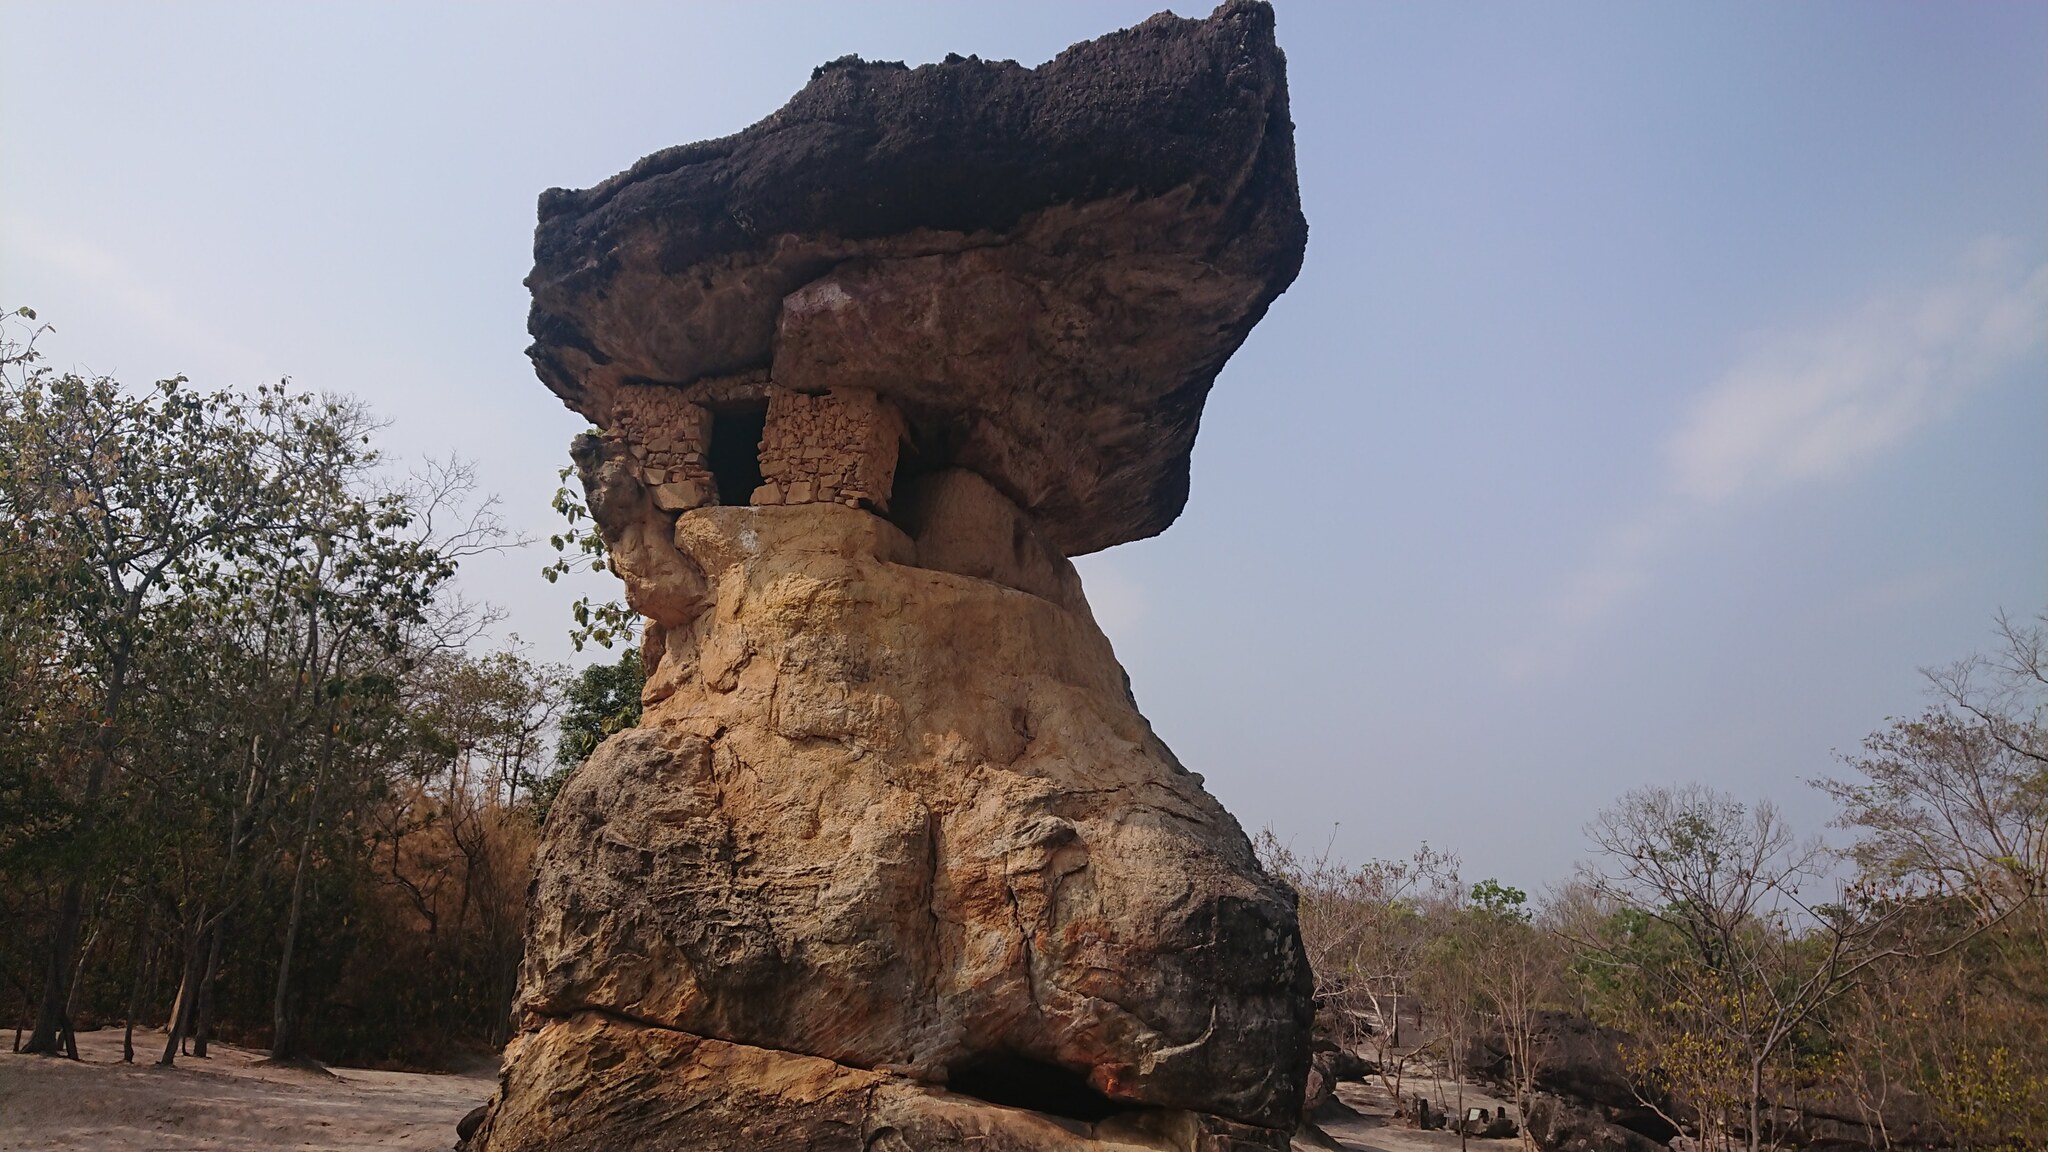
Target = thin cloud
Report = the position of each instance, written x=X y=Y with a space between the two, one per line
x=1806 y=405
x=1816 y=403
x=1617 y=571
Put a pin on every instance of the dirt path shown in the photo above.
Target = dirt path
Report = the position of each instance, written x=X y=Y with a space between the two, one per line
x=226 y=1102
x=1373 y=1128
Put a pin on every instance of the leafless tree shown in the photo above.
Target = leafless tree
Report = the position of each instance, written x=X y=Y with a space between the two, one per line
x=1365 y=928
x=1955 y=801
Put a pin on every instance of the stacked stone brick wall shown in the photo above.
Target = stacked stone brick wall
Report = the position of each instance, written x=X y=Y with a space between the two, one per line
x=669 y=437
x=837 y=448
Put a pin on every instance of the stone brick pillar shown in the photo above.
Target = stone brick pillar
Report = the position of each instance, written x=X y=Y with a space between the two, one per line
x=668 y=436
x=837 y=448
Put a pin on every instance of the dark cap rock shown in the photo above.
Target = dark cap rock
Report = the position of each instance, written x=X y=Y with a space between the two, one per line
x=1044 y=269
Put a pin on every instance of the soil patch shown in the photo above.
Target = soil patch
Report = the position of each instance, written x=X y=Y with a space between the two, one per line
x=233 y=1100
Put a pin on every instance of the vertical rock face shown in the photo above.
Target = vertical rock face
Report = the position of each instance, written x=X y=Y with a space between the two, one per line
x=892 y=861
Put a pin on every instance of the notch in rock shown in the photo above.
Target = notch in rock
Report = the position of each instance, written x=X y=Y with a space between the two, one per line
x=1020 y=1082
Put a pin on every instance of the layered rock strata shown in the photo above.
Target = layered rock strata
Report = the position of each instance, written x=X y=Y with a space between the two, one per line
x=892 y=861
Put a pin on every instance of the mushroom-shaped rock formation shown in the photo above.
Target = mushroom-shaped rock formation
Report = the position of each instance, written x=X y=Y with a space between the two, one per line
x=1043 y=269
x=892 y=861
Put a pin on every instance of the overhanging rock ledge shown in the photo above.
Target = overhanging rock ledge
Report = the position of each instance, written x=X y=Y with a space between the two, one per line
x=892 y=862
x=1044 y=268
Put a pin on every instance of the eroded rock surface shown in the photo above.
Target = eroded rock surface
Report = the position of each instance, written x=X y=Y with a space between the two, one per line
x=892 y=861
x=591 y=1084
x=909 y=821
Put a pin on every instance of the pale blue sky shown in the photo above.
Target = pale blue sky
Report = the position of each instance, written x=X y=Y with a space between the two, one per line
x=1664 y=384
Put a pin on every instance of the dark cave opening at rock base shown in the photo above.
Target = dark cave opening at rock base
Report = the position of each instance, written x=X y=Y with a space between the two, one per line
x=1020 y=1082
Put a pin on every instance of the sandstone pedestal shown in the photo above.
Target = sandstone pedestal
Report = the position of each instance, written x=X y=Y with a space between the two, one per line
x=891 y=828
x=892 y=861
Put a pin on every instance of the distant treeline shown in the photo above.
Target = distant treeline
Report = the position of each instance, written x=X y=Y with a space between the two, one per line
x=258 y=780
x=1773 y=992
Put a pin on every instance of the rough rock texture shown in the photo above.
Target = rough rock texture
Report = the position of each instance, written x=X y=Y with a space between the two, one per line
x=591 y=1084
x=1558 y=1125
x=1044 y=268
x=910 y=820
x=1582 y=1063
x=1574 y=1057
x=892 y=862
x=839 y=446
x=669 y=434
x=960 y=523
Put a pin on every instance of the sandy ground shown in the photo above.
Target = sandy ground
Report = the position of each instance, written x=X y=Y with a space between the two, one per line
x=225 y=1103
x=1373 y=1128
x=230 y=1102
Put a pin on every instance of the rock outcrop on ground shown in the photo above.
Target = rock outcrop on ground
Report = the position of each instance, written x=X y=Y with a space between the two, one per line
x=1584 y=1068
x=1559 y=1125
x=892 y=860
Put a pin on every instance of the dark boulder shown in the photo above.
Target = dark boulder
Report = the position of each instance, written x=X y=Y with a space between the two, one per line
x=1558 y=1125
x=1574 y=1057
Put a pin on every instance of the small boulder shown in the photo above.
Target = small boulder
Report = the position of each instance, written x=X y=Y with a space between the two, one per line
x=1558 y=1125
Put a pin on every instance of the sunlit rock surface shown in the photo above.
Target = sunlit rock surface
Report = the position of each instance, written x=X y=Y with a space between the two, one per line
x=892 y=860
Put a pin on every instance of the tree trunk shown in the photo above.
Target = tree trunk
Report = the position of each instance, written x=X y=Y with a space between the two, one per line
x=174 y=1027
x=1458 y=1071
x=143 y=958
x=188 y=982
x=1756 y=1092
x=198 y=1016
x=280 y=1016
x=52 y=1025
x=50 y=1015
x=202 y=1029
x=78 y=978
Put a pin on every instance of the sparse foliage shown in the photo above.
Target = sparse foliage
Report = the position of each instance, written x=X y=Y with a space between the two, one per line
x=580 y=548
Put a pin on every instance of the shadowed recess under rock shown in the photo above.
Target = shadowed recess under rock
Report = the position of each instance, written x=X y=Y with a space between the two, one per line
x=1020 y=1082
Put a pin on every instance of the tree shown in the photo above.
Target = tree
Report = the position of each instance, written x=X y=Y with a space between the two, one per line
x=602 y=700
x=206 y=595
x=156 y=498
x=1955 y=801
x=582 y=549
x=1950 y=812
x=1515 y=970
x=252 y=750
x=1365 y=928
x=1449 y=979
x=1726 y=960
